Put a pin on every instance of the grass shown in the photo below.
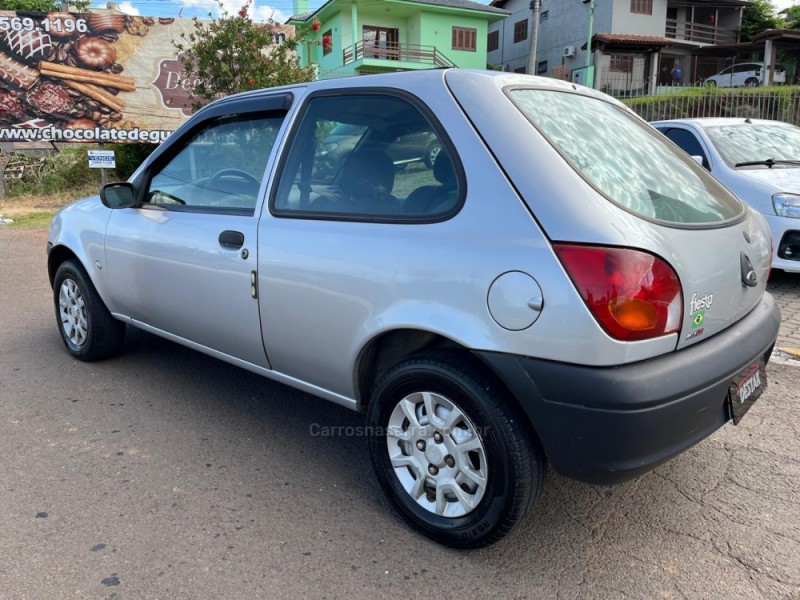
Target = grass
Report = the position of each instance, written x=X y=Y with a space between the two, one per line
x=34 y=220
x=32 y=211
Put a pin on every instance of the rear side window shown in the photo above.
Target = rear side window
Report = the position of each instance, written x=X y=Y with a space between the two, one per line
x=367 y=157
x=626 y=160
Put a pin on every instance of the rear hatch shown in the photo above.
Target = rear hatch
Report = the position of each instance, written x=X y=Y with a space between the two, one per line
x=591 y=172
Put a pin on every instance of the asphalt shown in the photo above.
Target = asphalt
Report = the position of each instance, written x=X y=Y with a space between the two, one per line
x=165 y=474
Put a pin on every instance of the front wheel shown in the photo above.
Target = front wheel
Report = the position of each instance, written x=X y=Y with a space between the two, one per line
x=452 y=451
x=87 y=328
x=432 y=153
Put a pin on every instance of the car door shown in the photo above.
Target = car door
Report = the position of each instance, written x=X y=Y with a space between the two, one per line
x=338 y=253
x=184 y=261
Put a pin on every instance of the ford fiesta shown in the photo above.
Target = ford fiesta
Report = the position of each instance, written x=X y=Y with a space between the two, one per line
x=560 y=285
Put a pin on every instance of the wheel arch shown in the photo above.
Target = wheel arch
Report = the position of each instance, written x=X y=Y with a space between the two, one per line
x=387 y=349
x=390 y=347
x=56 y=257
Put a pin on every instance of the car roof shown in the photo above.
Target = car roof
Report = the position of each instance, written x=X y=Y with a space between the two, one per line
x=423 y=77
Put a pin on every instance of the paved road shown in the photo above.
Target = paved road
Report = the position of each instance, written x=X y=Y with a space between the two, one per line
x=164 y=474
x=786 y=289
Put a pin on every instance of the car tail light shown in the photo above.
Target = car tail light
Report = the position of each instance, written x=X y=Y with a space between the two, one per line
x=634 y=295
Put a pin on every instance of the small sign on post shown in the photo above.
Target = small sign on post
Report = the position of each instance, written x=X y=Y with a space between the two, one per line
x=102 y=159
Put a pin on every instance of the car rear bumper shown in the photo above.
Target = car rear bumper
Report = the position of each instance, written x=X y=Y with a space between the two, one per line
x=607 y=425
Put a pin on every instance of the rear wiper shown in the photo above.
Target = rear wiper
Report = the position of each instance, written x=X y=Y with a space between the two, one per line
x=770 y=162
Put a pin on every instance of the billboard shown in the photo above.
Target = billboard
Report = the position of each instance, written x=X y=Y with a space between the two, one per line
x=93 y=77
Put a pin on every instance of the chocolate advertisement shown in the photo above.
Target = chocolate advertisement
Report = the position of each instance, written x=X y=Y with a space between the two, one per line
x=93 y=77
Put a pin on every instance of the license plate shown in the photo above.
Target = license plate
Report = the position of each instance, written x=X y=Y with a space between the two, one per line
x=745 y=389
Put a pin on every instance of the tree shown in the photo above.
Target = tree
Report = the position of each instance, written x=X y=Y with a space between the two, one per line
x=33 y=5
x=45 y=5
x=232 y=54
x=757 y=17
x=792 y=16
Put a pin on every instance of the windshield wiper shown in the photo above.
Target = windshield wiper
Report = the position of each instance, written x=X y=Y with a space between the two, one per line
x=770 y=162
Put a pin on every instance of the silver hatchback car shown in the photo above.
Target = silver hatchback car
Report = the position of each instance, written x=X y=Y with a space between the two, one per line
x=561 y=284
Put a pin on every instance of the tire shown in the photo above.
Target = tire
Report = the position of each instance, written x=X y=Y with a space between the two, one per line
x=87 y=328
x=431 y=152
x=503 y=451
x=751 y=82
x=711 y=84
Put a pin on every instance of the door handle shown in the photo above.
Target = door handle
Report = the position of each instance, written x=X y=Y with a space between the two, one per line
x=231 y=239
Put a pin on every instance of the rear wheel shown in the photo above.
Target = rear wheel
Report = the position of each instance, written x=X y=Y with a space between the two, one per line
x=87 y=328
x=452 y=451
x=751 y=82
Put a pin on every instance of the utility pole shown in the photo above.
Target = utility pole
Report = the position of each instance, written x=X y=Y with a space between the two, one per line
x=589 y=72
x=536 y=6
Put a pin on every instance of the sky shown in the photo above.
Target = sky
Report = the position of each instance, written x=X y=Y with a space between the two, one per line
x=260 y=10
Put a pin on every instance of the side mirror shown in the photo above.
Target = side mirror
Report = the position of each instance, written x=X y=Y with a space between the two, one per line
x=118 y=195
x=700 y=161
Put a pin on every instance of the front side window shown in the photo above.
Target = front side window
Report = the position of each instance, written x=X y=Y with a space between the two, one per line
x=756 y=142
x=688 y=142
x=626 y=160
x=220 y=167
x=366 y=157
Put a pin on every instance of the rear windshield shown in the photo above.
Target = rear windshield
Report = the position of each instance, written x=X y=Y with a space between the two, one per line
x=627 y=161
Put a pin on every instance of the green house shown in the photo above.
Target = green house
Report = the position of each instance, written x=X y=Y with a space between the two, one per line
x=376 y=36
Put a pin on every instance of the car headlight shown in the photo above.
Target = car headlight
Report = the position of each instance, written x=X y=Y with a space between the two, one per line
x=787 y=205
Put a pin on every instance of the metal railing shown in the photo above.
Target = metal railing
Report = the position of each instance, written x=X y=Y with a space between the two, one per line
x=696 y=32
x=395 y=51
x=776 y=104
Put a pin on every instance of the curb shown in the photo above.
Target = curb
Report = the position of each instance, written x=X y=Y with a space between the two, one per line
x=791 y=355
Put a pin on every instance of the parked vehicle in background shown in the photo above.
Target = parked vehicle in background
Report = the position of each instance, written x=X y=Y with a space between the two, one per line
x=757 y=160
x=403 y=149
x=539 y=293
x=751 y=74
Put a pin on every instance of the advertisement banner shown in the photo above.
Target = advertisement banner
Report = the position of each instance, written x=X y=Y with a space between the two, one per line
x=93 y=77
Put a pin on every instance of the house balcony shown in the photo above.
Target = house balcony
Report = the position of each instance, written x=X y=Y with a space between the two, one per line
x=393 y=56
x=702 y=34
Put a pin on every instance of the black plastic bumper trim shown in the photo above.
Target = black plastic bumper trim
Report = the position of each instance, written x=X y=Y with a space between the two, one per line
x=609 y=424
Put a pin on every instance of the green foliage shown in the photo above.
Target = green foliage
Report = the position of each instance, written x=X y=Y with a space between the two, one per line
x=34 y=5
x=129 y=157
x=66 y=171
x=34 y=220
x=232 y=54
x=45 y=5
x=758 y=17
x=792 y=17
x=775 y=102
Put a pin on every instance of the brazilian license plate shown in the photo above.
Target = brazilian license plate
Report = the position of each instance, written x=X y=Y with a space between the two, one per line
x=745 y=389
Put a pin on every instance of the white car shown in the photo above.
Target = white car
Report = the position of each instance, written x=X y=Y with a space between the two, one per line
x=750 y=74
x=757 y=160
